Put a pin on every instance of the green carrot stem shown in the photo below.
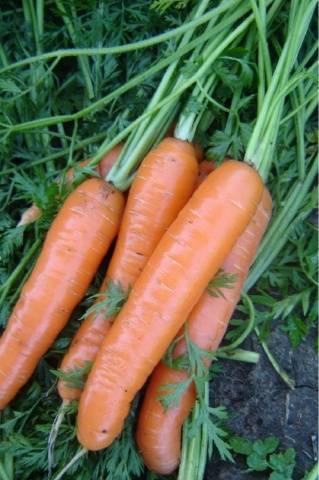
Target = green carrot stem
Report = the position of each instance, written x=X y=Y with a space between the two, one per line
x=188 y=121
x=185 y=459
x=280 y=228
x=259 y=152
x=83 y=61
x=116 y=50
x=189 y=462
x=6 y=286
x=203 y=447
x=239 y=355
x=194 y=451
x=249 y=327
x=3 y=56
x=164 y=84
x=264 y=63
x=308 y=106
x=298 y=97
x=30 y=18
x=76 y=457
x=3 y=473
x=305 y=80
x=133 y=144
x=59 y=154
x=102 y=102
x=211 y=100
x=282 y=374
x=313 y=474
x=71 y=148
x=122 y=170
x=40 y=17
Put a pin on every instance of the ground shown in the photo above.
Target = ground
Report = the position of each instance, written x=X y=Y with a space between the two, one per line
x=260 y=404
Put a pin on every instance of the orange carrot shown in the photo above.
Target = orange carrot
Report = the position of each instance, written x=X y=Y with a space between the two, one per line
x=188 y=255
x=159 y=432
x=162 y=186
x=204 y=169
x=102 y=169
x=73 y=249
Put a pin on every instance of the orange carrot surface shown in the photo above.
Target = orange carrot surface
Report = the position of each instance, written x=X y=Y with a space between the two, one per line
x=162 y=186
x=204 y=169
x=159 y=432
x=188 y=255
x=34 y=212
x=73 y=249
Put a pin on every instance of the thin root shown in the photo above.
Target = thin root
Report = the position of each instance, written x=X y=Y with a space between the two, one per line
x=53 y=436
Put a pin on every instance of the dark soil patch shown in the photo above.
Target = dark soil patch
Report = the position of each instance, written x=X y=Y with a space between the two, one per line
x=260 y=404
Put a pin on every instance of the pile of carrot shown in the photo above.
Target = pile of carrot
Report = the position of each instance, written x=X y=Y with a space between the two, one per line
x=183 y=221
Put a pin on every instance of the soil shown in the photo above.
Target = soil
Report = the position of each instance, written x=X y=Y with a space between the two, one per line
x=260 y=404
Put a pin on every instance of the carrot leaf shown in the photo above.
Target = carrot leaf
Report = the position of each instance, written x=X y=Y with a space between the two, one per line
x=111 y=301
x=221 y=280
x=75 y=378
x=193 y=363
x=173 y=393
x=212 y=418
x=123 y=459
x=10 y=240
x=163 y=5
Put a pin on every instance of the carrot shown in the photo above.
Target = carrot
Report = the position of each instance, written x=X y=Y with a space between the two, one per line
x=190 y=252
x=30 y=215
x=162 y=186
x=73 y=249
x=158 y=431
x=102 y=169
x=204 y=169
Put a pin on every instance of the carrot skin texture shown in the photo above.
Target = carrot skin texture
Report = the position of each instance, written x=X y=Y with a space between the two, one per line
x=163 y=184
x=34 y=212
x=77 y=241
x=158 y=432
x=162 y=453
x=204 y=169
x=189 y=253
